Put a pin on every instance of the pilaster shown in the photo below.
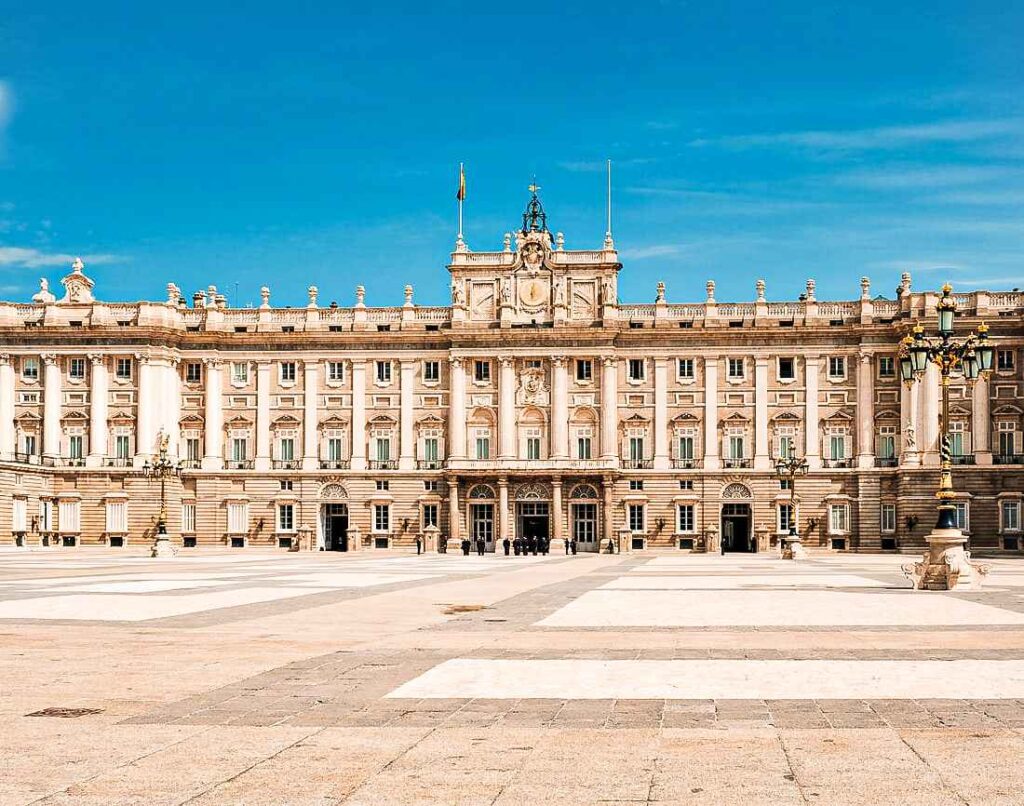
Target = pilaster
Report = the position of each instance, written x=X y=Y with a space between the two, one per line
x=559 y=408
x=865 y=412
x=310 y=418
x=51 y=406
x=263 y=369
x=661 y=453
x=609 y=409
x=213 y=425
x=358 y=460
x=407 y=440
x=457 y=409
x=712 y=458
x=812 y=422
x=506 y=407
x=981 y=422
x=7 y=397
x=99 y=394
x=762 y=452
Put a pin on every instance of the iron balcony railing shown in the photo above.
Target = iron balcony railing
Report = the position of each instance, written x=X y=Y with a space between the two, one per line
x=334 y=464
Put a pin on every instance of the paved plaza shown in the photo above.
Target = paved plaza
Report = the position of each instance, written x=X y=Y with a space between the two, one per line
x=321 y=678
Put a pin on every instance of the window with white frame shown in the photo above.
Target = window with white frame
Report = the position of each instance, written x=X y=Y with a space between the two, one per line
x=286 y=517
x=887 y=518
x=286 y=371
x=886 y=442
x=76 y=369
x=240 y=372
x=1010 y=516
x=428 y=515
x=117 y=516
x=584 y=443
x=886 y=366
x=238 y=517
x=30 y=369
x=735 y=369
x=68 y=515
x=785 y=518
x=837 y=436
x=532 y=437
x=1007 y=434
x=787 y=369
x=962 y=512
x=123 y=369
x=1005 y=360
x=635 y=369
x=837 y=367
x=431 y=371
x=188 y=517
x=28 y=444
x=383 y=370
x=635 y=442
x=684 y=369
x=735 y=445
x=684 y=518
x=239 y=446
x=482 y=443
x=381 y=438
x=684 y=444
x=286 y=445
x=336 y=371
x=381 y=518
x=430 y=441
x=382 y=485
x=584 y=370
x=839 y=518
x=122 y=443
x=76 y=448
x=192 y=450
x=482 y=371
x=193 y=372
x=19 y=515
x=636 y=517
x=786 y=436
x=958 y=438
x=335 y=438
x=430 y=486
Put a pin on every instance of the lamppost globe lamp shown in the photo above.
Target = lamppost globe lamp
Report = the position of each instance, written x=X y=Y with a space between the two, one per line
x=162 y=468
x=787 y=468
x=947 y=564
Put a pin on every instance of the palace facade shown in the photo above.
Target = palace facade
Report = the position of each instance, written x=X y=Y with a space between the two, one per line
x=537 y=403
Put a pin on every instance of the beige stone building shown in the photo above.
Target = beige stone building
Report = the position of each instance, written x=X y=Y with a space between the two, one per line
x=537 y=403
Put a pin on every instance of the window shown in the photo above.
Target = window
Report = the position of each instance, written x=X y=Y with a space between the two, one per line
x=684 y=369
x=430 y=452
x=122 y=447
x=886 y=366
x=19 y=515
x=584 y=448
x=286 y=370
x=76 y=369
x=1011 y=516
x=482 y=371
x=785 y=484
x=75 y=447
x=483 y=444
x=636 y=484
x=431 y=371
x=785 y=517
x=336 y=371
x=28 y=444
x=636 y=449
x=838 y=518
x=635 y=367
x=285 y=517
x=383 y=485
x=188 y=517
x=736 y=447
x=334 y=451
x=45 y=516
x=286 y=449
x=238 y=449
x=430 y=486
x=735 y=368
x=837 y=367
x=685 y=448
x=117 y=516
x=429 y=515
x=30 y=369
x=887 y=441
x=1004 y=360
x=533 y=448
x=887 y=518
x=238 y=517
x=381 y=518
x=1007 y=438
x=956 y=437
x=240 y=372
x=383 y=449
x=785 y=446
x=383 y=371
x=636 y=517
x=584 y=370
x=963 y=516
x=68 y=513
x=123 y=369
x=787 y=369
x=287 y=484
x=193 y=372
x=686 y=484
x=837 y=446
x=192 y=449
x=684 y=519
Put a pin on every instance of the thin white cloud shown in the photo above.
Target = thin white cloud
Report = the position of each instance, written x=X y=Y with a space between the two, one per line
x=595 y=166
x=6 y=104
x=28 y=258
x=981 y=197
x=928 y=177
x=654 y=250
x=882 y=137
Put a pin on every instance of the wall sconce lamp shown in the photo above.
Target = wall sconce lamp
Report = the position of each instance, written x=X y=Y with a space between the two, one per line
x=660 y=523
x=911 y=521
x=812 y=523
x=405 y=525
x=35 y=523
x=259 y=525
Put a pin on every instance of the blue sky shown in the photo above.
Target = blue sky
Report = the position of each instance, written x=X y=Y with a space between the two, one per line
x=205 y=144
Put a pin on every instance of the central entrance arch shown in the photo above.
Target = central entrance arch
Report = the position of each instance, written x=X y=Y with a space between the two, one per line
x=737 y=518
x=533 y=511
x=333 y=521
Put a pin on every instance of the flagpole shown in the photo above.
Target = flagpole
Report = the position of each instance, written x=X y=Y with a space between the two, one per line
x=461 y=174
x=608 y=242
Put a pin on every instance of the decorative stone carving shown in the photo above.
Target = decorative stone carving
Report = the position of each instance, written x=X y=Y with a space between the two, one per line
x=710 y=288
x=533 y=388
x=458 y=294
x=360 y=297
x=312 y=291
x=77 y=287
x=264 y=297
x=811 y=285
x=736 y=491
x=759 y=286
x=865 y=288
x=173 y=294
x=333 y=489
x=44 y=295
x=660 y=292
x=533 y=491
x=408 y=296
x=481 y=492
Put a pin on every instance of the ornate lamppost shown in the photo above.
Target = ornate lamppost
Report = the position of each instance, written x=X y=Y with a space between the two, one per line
x=787 y=469
x=947 y=564
x=162 y=467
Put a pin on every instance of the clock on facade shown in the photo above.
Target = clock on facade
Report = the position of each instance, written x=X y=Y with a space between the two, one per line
x=533 y=292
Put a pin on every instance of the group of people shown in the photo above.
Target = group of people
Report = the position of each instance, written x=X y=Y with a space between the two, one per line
x=521 y=546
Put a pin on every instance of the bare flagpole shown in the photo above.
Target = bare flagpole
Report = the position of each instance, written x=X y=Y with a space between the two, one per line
x=461 y=197
x=608 y=242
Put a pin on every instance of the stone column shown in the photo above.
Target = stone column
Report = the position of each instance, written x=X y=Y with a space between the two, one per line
x=812 y=424
x=407 y=439
x=712 y=446
x=457 y=409
x=610 y=409
x=506 y=408
x=559 y=408
x=99 y=396
x=170 y=411
x=865 y=413
x=607 y=490
x=7 y=434
x=263 y=415
x=762 y=450
x=981 y=423
x=557 y=537
x=310 y=416
x=454 y=530
x=52 y=403
x=213 y=426
x=661 y=453
x=358 y=435
x=502 y=514
x=147 y=410
x=929 y=414
x=910 y=436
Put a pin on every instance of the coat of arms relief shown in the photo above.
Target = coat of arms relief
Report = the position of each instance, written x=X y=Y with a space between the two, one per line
x=533 y=388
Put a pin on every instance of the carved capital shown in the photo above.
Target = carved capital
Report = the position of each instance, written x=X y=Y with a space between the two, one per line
x=559 y=361
x=506 y=361
x=456 y=361
x=609 y=361
x=5 y=359
x=213 y=362
x=96 y=359
x=49 y=359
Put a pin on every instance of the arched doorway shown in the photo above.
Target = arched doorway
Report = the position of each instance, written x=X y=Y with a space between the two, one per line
x=533 y=511
x=334 y=517
x=583 y=515
x=481 y=515
x=737 y=518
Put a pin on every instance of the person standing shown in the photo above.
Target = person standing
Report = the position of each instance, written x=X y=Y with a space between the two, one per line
x=567 y=542
x=465 y=546
x=506 y=544
x=480 y=546
x=419 y=545
x=574 y=545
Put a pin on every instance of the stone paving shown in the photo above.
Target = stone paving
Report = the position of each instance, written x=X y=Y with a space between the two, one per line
x=248 y=678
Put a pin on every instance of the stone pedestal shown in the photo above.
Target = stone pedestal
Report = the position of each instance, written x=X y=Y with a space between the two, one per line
x=556 y=546
x=793 y=547
x=162 y=546
x=430 y=538
x=947 y=564
x=355 y=539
